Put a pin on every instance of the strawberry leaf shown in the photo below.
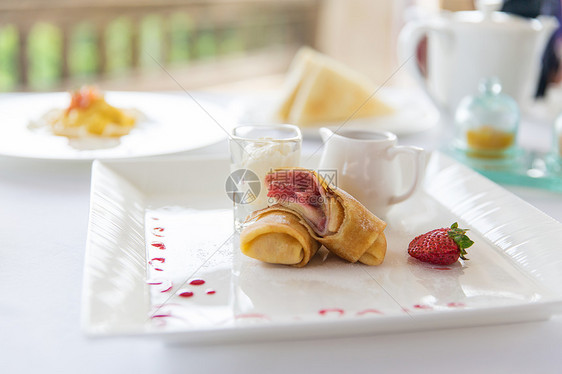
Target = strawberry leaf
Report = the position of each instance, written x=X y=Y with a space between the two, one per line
x=460 y=238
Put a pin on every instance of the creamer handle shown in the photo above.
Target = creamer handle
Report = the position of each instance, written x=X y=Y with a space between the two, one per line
x=417 y=156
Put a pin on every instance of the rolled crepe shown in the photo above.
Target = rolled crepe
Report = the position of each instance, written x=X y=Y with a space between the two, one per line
x=333 y=217
x=277 y=237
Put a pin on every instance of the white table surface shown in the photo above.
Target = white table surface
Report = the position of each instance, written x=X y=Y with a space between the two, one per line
x=43 y=222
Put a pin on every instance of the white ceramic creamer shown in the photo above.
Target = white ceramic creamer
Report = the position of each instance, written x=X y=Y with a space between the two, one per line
x=371 y=166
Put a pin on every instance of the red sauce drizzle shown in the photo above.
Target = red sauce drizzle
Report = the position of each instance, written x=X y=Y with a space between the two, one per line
x=169 y=288
x=369 y=311
x=331 y=310
x=197 y=282
x=158 y=259
x=157 y=231
x=161 y=315
x=158 y=245
x=455 y=305
x=186 y=294
x=157 y=282
x=211 y=292
x=422 y=306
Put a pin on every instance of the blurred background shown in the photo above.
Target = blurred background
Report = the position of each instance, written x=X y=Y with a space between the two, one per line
x=134 y=44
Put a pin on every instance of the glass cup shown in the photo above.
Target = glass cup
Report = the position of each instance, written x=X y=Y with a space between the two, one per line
x=254 y=151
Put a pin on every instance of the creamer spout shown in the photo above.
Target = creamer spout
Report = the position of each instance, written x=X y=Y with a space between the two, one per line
x=325 y=133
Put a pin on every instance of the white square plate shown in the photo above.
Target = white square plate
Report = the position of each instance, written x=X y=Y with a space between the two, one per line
x=158 y=225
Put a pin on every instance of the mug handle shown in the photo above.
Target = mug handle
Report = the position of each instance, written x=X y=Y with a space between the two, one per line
x=418 y=157
x=409 y=39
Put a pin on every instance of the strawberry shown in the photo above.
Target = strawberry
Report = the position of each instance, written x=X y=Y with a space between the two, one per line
x=441 y=246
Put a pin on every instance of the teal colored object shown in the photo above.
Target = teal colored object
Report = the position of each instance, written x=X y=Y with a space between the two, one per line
x=524 y=168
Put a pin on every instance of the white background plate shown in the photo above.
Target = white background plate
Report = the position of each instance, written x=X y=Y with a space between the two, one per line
x=174 y=123
x=137 y=206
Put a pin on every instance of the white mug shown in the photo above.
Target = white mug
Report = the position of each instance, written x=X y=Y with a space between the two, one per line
x=465 y=47
x=367 y=166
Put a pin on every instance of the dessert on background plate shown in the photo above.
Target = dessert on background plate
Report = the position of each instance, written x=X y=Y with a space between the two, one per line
x=319 y=89
x=88 y=114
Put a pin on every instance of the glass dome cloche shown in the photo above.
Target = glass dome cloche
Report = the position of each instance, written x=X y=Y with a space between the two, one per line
x=487 y=123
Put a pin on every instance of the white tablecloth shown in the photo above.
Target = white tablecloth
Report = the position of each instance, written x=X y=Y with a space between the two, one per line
x=43 y=222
